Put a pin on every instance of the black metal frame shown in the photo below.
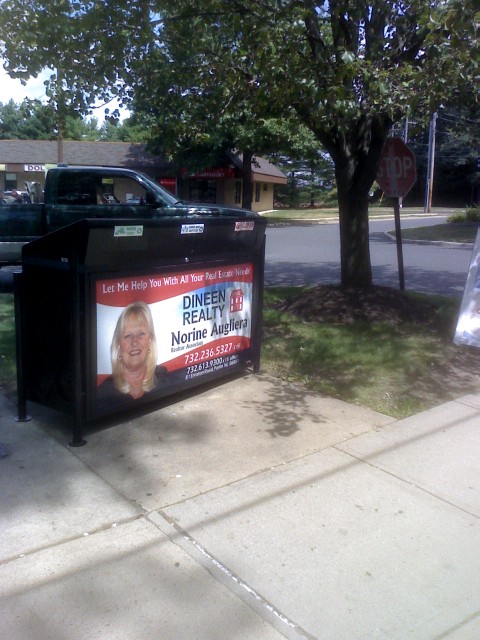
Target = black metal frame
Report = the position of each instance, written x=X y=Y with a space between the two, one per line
x=70 y=262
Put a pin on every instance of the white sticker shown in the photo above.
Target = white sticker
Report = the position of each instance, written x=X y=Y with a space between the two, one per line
x=245 y=225
x=128 y=231
x=192 y=228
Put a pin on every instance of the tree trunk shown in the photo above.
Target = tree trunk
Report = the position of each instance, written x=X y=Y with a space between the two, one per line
x=356 y=270
x=312 y=186
x=247 y=190
x=292 y=191
x=356 y=157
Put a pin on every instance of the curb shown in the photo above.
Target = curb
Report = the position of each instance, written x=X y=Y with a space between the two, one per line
x=438 y=243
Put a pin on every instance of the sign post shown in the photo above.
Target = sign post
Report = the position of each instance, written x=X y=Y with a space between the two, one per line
x=396 y=175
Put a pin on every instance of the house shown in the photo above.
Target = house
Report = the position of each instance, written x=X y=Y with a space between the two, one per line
x=28 y=160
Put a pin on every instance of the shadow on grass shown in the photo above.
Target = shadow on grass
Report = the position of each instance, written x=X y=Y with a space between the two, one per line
x=393 y=364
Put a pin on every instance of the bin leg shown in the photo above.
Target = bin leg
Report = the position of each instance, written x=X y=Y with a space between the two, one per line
x=22 y=415
x=260 y=281
x=77 y=439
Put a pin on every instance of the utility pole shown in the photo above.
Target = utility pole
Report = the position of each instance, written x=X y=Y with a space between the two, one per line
x=431 y=164
x=405 y=139
x=60 y=116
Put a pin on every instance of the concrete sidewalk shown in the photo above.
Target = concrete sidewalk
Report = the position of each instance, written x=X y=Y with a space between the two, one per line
x=254 y=510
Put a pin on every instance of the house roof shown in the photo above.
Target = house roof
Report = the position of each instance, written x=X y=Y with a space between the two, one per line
x=111 y=154
x=114 y=154
x=263 y=170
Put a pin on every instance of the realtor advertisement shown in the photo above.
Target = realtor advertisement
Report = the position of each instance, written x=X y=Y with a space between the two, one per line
x=156 y=330
x=468 y=325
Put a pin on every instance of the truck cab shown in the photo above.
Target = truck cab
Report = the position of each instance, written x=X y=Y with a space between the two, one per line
x=74 y=193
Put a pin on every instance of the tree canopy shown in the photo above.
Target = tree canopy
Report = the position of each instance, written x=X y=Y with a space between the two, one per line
x=345 y=70
x=33 y=120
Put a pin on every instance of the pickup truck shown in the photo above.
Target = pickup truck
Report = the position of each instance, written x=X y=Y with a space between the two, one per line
x=72 y=193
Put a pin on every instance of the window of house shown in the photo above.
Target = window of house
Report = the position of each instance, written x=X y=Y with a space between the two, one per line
x=203 y=191
x=10 y=181
x=238 y=192
x=257 y=192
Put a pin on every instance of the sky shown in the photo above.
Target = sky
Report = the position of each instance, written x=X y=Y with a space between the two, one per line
x=14 y=90
x=34 y=89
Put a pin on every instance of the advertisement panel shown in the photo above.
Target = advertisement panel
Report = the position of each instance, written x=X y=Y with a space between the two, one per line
x=468 y=326
x=158 y=330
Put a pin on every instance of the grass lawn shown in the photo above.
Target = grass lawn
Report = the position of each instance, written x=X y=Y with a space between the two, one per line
x=395 y=368
x=328 y=214
x=8 y=371
x=454 y=232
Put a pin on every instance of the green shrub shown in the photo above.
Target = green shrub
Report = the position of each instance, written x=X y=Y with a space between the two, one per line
x=472 y=214
x=457 y=217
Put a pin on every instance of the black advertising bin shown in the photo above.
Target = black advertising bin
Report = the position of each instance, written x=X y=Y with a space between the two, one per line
x=114 y=314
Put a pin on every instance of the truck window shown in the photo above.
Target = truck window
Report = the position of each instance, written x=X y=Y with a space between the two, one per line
x=129 y=191
x=120 y=190
x=85 y=188
x=76 y=188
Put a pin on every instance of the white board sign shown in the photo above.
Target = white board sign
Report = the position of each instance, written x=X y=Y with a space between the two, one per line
x=468 y=325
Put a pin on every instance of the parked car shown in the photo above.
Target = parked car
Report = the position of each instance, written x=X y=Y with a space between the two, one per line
x=13 y=196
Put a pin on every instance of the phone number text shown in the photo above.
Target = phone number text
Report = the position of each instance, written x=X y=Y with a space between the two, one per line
x=208 y=354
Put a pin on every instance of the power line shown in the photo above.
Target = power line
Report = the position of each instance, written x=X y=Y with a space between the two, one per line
x=458 y=119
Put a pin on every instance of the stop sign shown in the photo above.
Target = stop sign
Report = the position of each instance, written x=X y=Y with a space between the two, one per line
x=396 y=172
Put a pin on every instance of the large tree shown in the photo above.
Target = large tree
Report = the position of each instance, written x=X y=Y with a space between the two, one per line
x=196 y=109
x=29 y=120
x=345 y=69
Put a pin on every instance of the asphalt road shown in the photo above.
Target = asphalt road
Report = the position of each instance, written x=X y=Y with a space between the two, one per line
x=311 y=255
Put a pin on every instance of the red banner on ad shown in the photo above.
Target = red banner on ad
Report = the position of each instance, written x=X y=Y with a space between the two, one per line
x=153 y=288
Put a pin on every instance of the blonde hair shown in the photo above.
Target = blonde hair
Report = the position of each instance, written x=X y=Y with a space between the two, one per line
x=141 y=312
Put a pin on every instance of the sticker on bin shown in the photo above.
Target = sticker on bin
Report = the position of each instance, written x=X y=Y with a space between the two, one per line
x=128 y=231
x=192 y=228
x=245 y=225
